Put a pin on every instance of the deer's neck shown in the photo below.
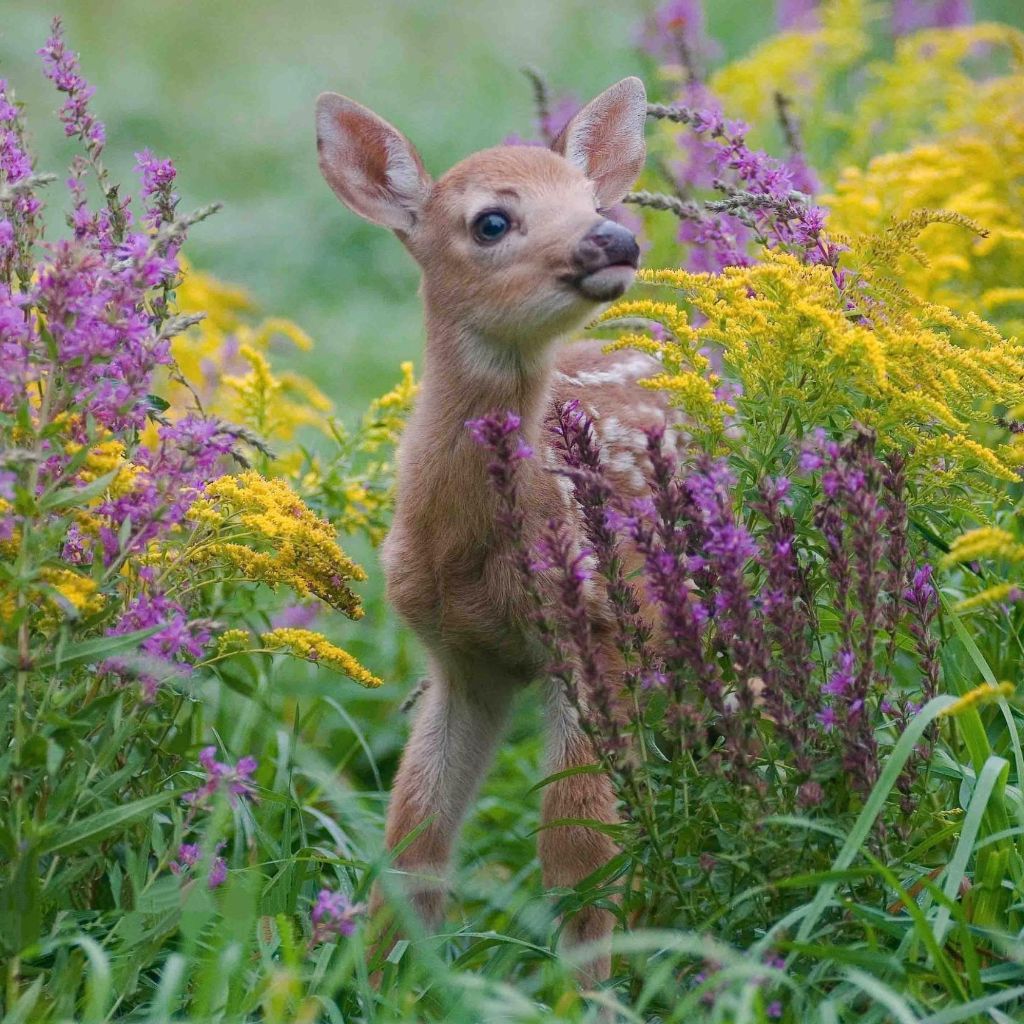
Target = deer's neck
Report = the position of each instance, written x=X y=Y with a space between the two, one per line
x=468 y=375
x=465 y=377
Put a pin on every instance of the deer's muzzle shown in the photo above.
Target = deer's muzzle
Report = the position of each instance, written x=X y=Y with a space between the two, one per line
x=605 y=260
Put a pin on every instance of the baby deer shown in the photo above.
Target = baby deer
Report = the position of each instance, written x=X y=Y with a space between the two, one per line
x=516 y=253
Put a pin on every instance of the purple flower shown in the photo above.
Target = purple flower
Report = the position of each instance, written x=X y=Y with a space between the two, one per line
x=793 y=15
x=333 y=916
x=188 y=858
x=492 y=429
x=913 y=15
x=218 y=873
x=842 y=678
x=921 y=589
x=61 y=67
x=676 y=32
x=221 y=777
x=189 y=855
x=157 y=188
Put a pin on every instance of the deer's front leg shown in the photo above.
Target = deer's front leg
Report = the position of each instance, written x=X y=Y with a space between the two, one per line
x=569 y=853
x=456 y=728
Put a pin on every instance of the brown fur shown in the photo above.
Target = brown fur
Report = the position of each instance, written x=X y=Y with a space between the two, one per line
x=494 y=315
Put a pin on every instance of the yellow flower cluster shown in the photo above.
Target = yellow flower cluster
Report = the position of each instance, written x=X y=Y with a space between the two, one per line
x=315 y=647
x=224 y=359
x=362 y=489
x=686 y=377
x=808 y=64
x=385 y=419
x=983 y=694
x=265 y=531
x=989 y=542
x=971 y=167
x=786 y=337
x=929 y=88
x=108 y=458
x=80 y=592
x=232 y=640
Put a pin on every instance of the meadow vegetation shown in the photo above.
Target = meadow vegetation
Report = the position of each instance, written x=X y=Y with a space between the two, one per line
x=821 y=767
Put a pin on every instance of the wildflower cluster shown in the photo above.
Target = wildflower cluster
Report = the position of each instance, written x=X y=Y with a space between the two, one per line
x=139 y=570
x=721 y=655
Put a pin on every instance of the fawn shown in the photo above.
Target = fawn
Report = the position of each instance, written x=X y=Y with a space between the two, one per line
x=515 y=253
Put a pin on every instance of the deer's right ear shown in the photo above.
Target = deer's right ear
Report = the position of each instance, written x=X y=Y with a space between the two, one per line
x=372 y=166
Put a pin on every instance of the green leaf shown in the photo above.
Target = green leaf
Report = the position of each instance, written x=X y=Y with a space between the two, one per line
x=83 y=653
x=20 y=905
x=872 y=808
x=992 y=774
x=580 y=769
x=103 y=823
x=67 y=496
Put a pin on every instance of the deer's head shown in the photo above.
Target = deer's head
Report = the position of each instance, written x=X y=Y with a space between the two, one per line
x=513 y=241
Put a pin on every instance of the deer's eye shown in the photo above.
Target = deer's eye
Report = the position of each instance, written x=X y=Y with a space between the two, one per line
x=490 y=226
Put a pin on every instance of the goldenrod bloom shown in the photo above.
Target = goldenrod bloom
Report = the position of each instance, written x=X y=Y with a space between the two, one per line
x=315 y=647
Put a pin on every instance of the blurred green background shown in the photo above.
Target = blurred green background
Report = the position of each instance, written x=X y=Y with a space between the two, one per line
x=227 y=89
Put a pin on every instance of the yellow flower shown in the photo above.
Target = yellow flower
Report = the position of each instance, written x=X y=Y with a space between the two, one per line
x=386 y=416
x=807 y=64
x=291 y=545
x=918 y=374
x=990 y=596
x=985 y=542
x=225 y=360
x=315 y=647
x=232 y=639
x=77 y=590
x=983 y=694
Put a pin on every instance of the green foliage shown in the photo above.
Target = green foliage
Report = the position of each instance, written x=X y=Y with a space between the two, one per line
x=835 y=918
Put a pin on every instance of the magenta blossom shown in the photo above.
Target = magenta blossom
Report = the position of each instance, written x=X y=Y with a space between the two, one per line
x=914 y=15
x=220 y=777
x=333 y=915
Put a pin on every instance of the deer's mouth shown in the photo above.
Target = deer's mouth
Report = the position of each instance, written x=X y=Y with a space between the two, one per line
x=605 y=260
x=606 y=283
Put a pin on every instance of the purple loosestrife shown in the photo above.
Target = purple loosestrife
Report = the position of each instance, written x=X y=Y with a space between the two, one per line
x=786 y=603
x=794 y=15
x=190 y=854
x=557 y=556
x=498 y=434
x=61 y=67
x=333 y=916
x=677 y=32
x=914 y=15
x=235 y=781
x=573 y=439
x=158 y=193
x=724 y=656
x=19 y=211
x=759 y=195
x=764 y=199
x=863 y=519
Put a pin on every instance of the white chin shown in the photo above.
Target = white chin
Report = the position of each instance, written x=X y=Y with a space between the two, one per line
x=606 y=284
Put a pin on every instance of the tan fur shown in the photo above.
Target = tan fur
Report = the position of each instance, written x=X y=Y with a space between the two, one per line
x=494 y=315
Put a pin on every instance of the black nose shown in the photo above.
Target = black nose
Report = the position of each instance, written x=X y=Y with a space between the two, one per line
x=605 y=245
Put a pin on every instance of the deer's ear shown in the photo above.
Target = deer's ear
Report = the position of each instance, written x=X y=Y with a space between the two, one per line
x=372 y=166
x=606 y=139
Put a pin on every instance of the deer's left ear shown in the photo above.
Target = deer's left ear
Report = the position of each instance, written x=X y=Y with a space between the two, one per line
x=606 y=139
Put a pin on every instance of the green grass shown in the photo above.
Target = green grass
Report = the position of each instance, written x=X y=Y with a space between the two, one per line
x=226 y=89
